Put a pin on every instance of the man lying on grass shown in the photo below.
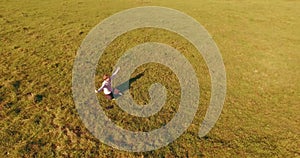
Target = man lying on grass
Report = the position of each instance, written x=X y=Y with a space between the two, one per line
x=107 y=88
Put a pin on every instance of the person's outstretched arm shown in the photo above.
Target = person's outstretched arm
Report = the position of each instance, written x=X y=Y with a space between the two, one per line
x=101 y=88
x=115 y=73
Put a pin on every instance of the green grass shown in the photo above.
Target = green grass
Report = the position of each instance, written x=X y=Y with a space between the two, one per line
x=259 y=42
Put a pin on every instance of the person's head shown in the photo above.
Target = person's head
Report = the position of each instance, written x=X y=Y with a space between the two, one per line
x=105 y=77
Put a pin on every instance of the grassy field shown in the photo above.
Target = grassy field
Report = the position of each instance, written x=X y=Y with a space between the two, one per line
x=259 y=42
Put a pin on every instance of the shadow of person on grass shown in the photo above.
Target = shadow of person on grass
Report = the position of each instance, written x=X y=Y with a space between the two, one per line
x=126 y=85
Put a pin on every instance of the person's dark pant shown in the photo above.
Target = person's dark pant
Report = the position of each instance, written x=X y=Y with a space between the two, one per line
x=109 y=96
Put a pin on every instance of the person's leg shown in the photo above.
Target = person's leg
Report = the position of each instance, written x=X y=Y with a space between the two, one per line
x=116 y=91
x=109 y=96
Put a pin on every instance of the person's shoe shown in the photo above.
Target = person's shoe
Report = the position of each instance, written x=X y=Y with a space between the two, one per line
x=120 y=93
x=96 y=91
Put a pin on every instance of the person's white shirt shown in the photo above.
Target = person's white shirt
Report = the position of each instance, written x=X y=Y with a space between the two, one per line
x=106 y=85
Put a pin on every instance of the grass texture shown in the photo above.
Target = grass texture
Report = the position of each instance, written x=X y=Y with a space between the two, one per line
x=259 y=42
